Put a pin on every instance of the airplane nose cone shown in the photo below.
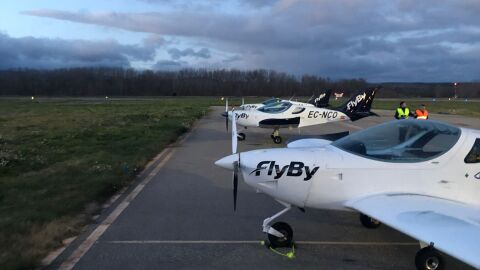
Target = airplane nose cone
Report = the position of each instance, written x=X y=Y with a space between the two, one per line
x=227 y=162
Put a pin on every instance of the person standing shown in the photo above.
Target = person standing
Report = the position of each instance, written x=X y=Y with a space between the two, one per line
x=422 y=113
x=402 y=112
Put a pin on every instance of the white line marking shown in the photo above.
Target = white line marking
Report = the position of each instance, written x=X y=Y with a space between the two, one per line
x=54 y=254
x=93 y=237
x=220 y=242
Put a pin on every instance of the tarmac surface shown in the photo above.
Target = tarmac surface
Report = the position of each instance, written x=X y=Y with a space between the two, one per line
x=179 y=215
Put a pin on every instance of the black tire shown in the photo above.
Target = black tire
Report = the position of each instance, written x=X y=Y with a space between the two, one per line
x=277 y=140
x=285 y=241
x=241 y=136
x=429 y=258
x=369 y=222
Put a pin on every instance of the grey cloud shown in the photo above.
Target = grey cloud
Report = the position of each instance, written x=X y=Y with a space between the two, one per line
x=232 y=59
x=177 y=54
x=55 y=53
x=402 y=40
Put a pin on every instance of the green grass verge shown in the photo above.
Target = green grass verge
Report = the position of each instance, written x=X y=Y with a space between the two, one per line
x=57 y=156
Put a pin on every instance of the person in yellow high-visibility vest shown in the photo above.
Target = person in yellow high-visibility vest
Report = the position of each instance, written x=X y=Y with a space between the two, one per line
x=422 y=113
x=403 y=112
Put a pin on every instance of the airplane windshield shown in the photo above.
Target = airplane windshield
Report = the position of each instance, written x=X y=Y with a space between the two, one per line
x=276 y=107
x=402 y=141
x=271 y=101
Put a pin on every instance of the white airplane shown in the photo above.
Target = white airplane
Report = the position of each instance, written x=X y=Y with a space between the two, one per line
x=421 y=178
x=286 y=114
x=321 y=101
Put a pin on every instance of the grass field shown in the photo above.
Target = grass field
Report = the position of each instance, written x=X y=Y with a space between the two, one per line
x=57 y=156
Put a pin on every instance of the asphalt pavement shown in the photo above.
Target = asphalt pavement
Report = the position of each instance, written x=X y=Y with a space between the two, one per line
x=179 y=215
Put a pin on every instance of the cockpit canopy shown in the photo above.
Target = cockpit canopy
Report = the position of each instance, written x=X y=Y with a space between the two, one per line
x=402 y=141
x=271 y=101
x=278 y=107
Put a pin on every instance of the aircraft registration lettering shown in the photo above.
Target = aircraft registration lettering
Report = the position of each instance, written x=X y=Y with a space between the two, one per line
x=325 y=114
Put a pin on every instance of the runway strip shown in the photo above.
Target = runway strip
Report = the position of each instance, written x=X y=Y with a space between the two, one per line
x=164 y=156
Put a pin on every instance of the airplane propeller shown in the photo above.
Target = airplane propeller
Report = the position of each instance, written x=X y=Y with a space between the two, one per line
x=226 y=112
x=236 y=164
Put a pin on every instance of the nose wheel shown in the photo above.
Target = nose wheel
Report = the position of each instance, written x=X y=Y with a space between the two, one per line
x=280 y=234
x=276 y=136
x=286 y=240
x=241 y=136
x=428 y=258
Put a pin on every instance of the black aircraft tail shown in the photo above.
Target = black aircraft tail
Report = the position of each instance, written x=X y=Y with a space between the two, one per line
x=359 y=105
x=322 y=100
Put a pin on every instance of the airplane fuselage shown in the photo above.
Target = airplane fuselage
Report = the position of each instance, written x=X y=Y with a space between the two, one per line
x=326 y=177
x=298 y=117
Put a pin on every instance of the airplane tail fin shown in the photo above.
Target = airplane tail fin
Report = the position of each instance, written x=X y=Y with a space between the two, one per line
x=359 y=105
x=322 y=100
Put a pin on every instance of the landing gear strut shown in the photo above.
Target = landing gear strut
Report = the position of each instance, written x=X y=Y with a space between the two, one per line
x=428 y=258
x=276 y=136
x=369 y=222
x=280 y=234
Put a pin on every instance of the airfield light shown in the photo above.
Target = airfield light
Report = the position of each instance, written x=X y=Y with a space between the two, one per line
x=222 y=98
x=455 y=90
x=33 y=97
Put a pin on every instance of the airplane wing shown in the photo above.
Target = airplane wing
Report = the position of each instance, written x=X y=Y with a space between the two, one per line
x=307 y=141
x=454 y=228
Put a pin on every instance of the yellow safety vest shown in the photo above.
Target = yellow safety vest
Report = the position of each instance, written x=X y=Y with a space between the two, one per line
x=403 y=114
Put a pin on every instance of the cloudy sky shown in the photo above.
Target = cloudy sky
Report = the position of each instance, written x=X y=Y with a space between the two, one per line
x=405 y=40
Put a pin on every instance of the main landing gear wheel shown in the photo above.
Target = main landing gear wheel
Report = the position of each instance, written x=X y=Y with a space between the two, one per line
x=277 y=140
x=429 y=258
x=241 y=136
x=369 y=222
x=286 y=240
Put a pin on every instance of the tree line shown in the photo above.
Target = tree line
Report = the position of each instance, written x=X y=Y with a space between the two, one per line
x=198 y=82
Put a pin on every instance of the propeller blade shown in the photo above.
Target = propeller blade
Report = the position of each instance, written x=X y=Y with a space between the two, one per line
x=226 y=110
x=226 y=122
x=243 y=100
x=234 y=133
x=235 y=185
